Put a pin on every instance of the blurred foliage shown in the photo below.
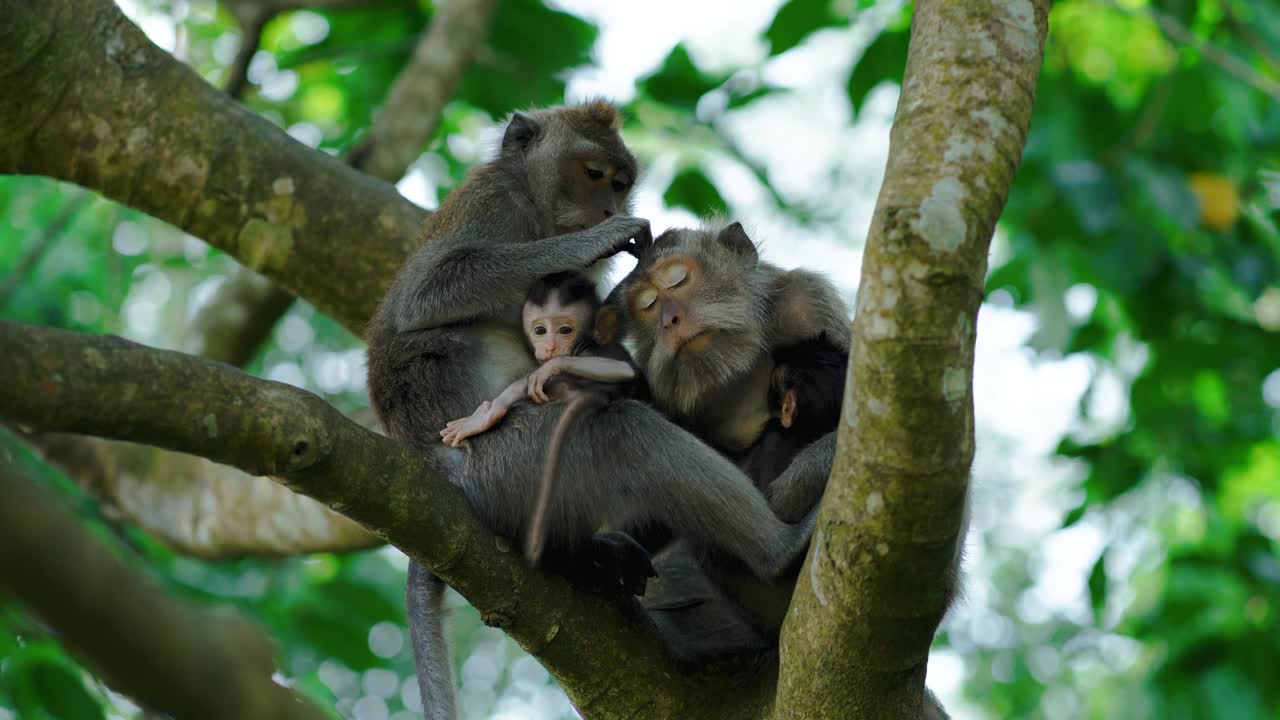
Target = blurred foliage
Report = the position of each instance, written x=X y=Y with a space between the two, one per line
x=1141 y=232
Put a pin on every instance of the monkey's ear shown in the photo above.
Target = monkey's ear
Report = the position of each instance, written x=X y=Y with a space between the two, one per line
x=788 y=408
x=520 y=132
x=605 y=329
x=735 y=238
x=603 y=113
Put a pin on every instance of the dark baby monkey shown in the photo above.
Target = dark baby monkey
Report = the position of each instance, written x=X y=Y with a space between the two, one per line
x=575 y=340
x=806 y=388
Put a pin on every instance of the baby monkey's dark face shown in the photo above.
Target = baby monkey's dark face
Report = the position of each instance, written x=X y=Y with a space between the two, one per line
x=553 y=329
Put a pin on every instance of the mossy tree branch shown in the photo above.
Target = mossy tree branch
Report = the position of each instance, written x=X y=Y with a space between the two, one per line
x=59 y=381
x=875 y=584
x=86 y=97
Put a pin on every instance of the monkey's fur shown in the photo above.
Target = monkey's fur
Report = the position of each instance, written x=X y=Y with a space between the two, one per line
x=446 y=337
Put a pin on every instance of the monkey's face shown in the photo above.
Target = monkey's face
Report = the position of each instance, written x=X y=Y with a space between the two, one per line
x=578 y=168
x=595 y=189
x=553 y=329
x=695 y=306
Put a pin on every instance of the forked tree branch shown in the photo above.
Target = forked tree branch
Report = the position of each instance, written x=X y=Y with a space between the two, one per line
x=875 y=584
x=109 y=387
x=169 y=655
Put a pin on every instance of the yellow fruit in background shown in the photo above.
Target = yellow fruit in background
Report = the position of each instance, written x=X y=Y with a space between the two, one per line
x=1219 y=200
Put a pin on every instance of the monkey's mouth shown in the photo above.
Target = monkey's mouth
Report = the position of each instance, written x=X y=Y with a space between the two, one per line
x=694 y=343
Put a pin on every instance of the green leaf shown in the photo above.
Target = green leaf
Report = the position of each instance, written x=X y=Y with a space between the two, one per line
x=679 y=82
x=797 y=19
x=1098 y=585
x=885 y=60
x=691 y=189
x=527 y=69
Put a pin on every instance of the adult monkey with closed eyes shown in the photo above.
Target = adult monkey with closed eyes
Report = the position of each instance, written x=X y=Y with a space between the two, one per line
x=447 y=336
x=709 y=319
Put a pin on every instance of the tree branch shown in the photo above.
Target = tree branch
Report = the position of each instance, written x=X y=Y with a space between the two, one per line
x=114 y=388
x=85 y=97
x=1228 y=63
x=875 y=584
x=169 y=655
x=412 y=111
x=251 y=27
x=196 y=506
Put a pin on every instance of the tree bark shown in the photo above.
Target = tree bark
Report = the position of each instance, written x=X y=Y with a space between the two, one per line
x=86 y=97
x=876 y=582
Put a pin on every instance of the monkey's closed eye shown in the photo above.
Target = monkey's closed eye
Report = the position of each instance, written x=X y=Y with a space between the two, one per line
x=594 y=174
x=646 y=298
x=675 y=275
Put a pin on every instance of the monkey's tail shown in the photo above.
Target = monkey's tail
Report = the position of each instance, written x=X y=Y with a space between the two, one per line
x=535 y=542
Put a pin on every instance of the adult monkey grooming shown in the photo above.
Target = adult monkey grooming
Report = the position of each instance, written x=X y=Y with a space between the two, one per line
x=447 y=336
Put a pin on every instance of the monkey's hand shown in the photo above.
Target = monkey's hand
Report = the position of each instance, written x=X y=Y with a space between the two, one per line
x=617 y=563
x=539 y=377
x=623 y=233
x=485 y=417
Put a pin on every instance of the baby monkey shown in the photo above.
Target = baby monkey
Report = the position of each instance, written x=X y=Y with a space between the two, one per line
x=806 y=390
x=574 y=338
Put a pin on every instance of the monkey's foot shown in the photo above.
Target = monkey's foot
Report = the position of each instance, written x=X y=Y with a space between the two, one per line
x=616 y=562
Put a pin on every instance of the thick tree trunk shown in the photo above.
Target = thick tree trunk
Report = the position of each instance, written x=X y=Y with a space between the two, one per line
x=876 y=582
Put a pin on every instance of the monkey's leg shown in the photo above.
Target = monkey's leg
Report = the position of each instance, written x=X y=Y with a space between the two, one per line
x=425 y=600
x=799 y=488
x=628 y=464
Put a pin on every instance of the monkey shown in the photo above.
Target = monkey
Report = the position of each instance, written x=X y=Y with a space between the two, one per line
x=575 y=338
x=705 y=316
x=806 y=389
x=724 y=339
x=446 y=336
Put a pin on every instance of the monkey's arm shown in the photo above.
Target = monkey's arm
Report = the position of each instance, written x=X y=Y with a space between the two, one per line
x=485 y=417
x=799 y=488
x=456 y=279
x=597 y=368
x=588 y=367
